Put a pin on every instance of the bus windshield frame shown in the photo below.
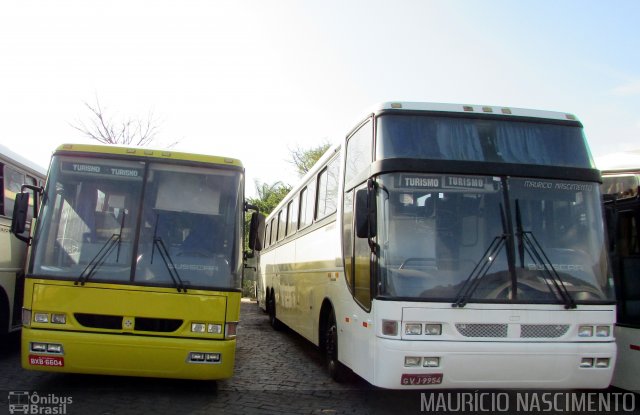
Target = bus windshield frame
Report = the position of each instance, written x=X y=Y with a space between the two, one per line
x=140 y=222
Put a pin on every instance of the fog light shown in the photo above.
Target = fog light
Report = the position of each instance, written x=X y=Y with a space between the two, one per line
x=433 y=329
x=59 y=318
x=585 y=331
x=41 y=318
x=214 y=328
x=431 y=362
x=196 y=357
x=54 y=348
x=38 y=347
x=603 y=331
x=412 y=361
x=602 y=362
x=389 y=327
x=198 y=327
x=212 y=357
x=413 y=329
x=586 y=362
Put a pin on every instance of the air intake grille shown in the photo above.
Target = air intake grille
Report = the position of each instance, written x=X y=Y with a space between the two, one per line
x=482 y=330
x=549 y=331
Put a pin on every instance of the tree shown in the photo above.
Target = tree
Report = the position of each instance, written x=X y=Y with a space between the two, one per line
x=303 y=159
x=269 y=195
x=128 y=131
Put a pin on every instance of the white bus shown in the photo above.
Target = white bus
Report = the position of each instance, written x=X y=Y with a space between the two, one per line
x=449 y=246
x=621 y=189
x=14 y=172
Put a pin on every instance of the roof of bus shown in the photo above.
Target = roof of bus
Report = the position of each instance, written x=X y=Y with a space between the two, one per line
x=626 y=161
x=147 y=152
x=19 y=160
x=471 y=109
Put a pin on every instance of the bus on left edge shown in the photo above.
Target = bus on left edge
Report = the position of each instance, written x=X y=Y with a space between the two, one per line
x=136 y=264
x=15 y=171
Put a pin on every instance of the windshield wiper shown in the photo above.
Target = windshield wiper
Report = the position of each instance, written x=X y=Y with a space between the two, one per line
x=166 y=258
x=528 y=242
x=482 y=267
x=100 y=258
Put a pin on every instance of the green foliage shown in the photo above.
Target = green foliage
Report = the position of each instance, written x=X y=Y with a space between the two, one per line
x=269 y=195
x=303 y=159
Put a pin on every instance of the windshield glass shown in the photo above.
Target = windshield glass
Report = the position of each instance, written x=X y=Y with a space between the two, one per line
x=438 y=232
x=190 y=225
x=621 y=186
x=188 y=233
x=474 y=139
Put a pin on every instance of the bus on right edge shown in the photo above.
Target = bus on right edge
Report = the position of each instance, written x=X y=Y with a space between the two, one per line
x=449 y=246
x=621 y=190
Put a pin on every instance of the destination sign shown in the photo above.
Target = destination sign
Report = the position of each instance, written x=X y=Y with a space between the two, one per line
x=441 y=182
x=72 y=167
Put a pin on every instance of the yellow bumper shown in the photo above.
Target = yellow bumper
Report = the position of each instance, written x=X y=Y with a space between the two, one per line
x=127 y=355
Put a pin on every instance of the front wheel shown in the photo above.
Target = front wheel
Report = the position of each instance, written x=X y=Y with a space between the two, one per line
x=337 y=370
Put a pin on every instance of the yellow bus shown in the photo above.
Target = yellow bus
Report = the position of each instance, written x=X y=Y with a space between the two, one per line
x=14 y=172
x=136 y=264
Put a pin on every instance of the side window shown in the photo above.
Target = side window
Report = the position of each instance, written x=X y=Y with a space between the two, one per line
x=267 y=235
x=358 y=155
x=306 y=205
x=328 y=189
x=282 y=224
x=13 y=181
x=292 y=215
x=274 y=231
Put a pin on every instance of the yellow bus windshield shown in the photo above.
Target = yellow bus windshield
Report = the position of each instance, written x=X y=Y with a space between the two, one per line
x=140 y=222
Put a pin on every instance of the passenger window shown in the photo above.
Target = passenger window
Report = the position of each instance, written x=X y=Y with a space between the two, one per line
x=274 y=231
x=328 y=189
x=13 y=181
x=267 y=235
x=358 y=155
x=282 y=224
x=306 y=205
x=292 y=215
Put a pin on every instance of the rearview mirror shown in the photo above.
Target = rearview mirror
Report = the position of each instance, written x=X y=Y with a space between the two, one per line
x=19 y=219
x=256 y=231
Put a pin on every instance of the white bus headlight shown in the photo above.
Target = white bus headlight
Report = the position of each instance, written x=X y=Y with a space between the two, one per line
x=431 y=362
x=412 y=361
x=433 y=329
x=603 y=331
x=214 y=328
x=59 y=318
x=585 y=331
x=413 y=329
x=602 y=362
x=586 y=362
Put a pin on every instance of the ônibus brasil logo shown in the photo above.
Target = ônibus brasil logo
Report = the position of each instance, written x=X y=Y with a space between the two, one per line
x=25 y=402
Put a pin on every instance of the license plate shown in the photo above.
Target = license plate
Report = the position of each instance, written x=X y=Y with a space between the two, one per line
x=418 y=380
x=51 y=361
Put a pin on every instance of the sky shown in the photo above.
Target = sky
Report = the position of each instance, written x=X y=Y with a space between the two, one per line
x=255 y=79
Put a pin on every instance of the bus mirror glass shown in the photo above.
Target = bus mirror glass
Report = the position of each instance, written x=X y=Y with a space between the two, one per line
x=256 y=231
x=20 y=210
x=365 y=214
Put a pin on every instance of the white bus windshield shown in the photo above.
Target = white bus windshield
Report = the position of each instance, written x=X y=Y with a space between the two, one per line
x=473 y=139
x=102 y=222
x=438 y=232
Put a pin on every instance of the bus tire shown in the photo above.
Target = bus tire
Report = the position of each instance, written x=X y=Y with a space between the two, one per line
x=271 y=310
x=337 y=370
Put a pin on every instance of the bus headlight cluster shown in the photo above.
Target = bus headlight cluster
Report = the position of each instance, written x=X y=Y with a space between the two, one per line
x=418 y=361
x=203 y=357
x=430 y=329
x=53 y=348
x=41 y=317
x=210 y=328
x=597 y=362
x=591 y=331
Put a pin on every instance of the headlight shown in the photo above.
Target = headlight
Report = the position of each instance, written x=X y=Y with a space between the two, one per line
x=433 y=329
x=59 y=318
x=585 y=331
x=198 y=327
x=413 y=329
x=412 y=361
x=603 y=331
x=41 y=317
